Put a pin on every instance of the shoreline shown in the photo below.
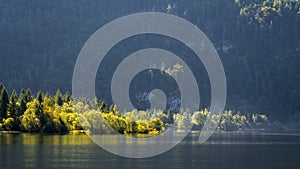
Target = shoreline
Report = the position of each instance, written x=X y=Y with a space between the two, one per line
x=81 y=132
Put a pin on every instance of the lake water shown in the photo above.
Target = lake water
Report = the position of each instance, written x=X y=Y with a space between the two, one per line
x=234 y=150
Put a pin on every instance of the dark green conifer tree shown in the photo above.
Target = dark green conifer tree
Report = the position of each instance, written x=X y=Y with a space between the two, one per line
x=58 y=98
x=40 y=97
x=3 y=103
x=13 y=107
x=22 y=101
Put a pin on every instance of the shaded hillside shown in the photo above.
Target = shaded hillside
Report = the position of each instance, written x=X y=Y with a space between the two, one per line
x=259 y=45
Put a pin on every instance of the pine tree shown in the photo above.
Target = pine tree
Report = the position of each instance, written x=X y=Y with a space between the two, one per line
x=40 y=97
x=3 y=103
x=13 y=108
x=22 y=101
x=1 y=87
x=58 y=98
x=95 y=103
x=113 y=109
x=67 y=97
x=28 y=96
x=103 y=107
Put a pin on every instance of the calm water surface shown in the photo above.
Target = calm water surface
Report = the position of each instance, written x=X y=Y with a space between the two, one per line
x=234 y=150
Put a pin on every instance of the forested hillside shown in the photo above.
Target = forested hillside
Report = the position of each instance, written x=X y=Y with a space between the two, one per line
x=258 y=42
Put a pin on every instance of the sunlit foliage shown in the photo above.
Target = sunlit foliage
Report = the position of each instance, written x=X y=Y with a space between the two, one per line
x=263 y=11
x=59 y=114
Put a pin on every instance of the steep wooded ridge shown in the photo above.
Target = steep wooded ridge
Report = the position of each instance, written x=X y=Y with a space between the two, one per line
x=258 y=42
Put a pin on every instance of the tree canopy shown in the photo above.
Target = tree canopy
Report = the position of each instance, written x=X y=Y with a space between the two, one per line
x=44 y=114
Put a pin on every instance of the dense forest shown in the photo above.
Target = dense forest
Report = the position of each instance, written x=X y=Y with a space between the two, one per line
x=258 y=42
x=45 y=113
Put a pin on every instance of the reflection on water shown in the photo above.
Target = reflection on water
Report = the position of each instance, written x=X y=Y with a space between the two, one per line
x=223 y=150
x=35 y=139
